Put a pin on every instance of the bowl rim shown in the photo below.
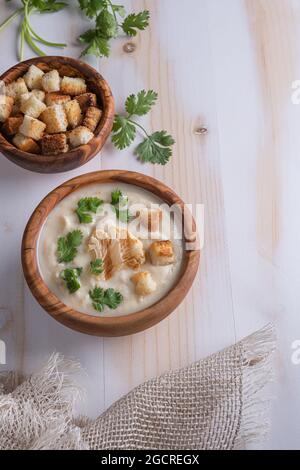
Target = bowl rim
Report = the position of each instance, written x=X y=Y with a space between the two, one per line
x=103 y=129
x=85 y=323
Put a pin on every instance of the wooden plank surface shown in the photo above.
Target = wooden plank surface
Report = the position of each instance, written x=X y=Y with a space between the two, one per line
x=228 y=66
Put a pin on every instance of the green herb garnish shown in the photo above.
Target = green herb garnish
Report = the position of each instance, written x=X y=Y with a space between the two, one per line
x=155 y=148
x=70 y=276
x=27 y=33
x=101 y=298
x=67 y=246
x=108 y=17
x=96 y=266
x=86 y=205
x=120 y=203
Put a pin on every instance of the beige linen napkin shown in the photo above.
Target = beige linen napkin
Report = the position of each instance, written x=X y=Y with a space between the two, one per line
x=221 y=402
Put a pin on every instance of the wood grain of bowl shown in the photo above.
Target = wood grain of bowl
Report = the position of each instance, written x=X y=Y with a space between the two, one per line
x=103 y=326
x=81 y=155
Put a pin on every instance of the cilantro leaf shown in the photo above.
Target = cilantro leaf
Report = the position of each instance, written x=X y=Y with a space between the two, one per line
x=124 y=132
x=70 y=276
x=96 y=45
x=107 y=25
x=156 y=148
x=141 y=103
x=96 y=266
x=67 y=246
x=119 y=9
x=134 y=22
x=86 y=205
x=92 y=7
x=101 y=298
x=47 y=6
x=120 y=202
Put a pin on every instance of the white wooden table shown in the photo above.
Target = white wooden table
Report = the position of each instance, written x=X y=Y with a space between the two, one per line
x=228 y=65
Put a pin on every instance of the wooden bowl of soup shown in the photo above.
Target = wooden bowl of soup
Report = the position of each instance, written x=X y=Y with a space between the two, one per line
x=56 y=113
x=110 y=253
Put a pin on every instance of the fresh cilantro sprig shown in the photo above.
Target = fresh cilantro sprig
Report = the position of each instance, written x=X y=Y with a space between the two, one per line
x=85 y=206
x=120 y=203
x=109 y=20
x=96 y=266
x=67 y=246
x=101 y=298
x=27 y=33
x=70 y=276
x=155 y=148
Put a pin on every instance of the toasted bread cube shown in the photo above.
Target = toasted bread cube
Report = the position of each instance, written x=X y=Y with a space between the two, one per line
x=54 y=144
x=80 y=136
x=56 y=98
x=92 y=118
x=39 y=94
x=12 y=125
x=150 y=218
x=73 y=86
x=51 y=81
x=32 y=107
x=33 y=77
x=6 y=107
x=32 y=127
x=144 y=283
x=55 y=118
x=16 y=88
x=26 y=144
x=161 y=253
x=73 y=112
x=86 y=100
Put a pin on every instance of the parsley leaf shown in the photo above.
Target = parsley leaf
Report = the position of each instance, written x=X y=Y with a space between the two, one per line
x=101 y=298
x=134 y=22
x=124 y=132
x=120 y=202
x=96 y=266
x=86 y=205
x=106 y=23
x=47 y=6
x=67 y=246
x=141 y=103
x=70 y=276
x=156 y=148
x=92 y=7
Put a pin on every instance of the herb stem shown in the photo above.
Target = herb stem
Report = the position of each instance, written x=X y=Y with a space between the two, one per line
x=11 y=18
x=21 y=50
x=113 y=11
x=138 y=125
x=43 y=41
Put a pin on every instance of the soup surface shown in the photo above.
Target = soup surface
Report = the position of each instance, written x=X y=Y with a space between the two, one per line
x=130 y=251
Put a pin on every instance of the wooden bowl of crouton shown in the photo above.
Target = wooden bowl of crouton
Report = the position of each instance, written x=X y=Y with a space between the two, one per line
x=55 y=114
x=101 y=325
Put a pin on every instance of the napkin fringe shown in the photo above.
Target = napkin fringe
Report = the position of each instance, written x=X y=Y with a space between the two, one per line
x=257 y=378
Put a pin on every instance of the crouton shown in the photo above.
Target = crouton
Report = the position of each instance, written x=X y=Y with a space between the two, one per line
x=6 y=106
x=15 y=109
x=16 y=88
x=150 y=218
x=144 y=283
x=39 y=94
x=92 y=118
x=32 y=107
x=73 y=112
x=56 y=98
x=161 y=253
x=55 y=118
x=12 y=125
x=33 y=77
x=32 y=127
x=26 y=144
x=73 y=86
x=86 y=100
x=51 y=81
x=54 y=144
x=80 y=136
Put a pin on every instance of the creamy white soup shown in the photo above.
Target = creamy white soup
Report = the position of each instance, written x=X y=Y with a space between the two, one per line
x=110 y=259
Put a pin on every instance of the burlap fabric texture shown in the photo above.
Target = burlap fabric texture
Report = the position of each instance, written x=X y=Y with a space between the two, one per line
x=221 y=402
